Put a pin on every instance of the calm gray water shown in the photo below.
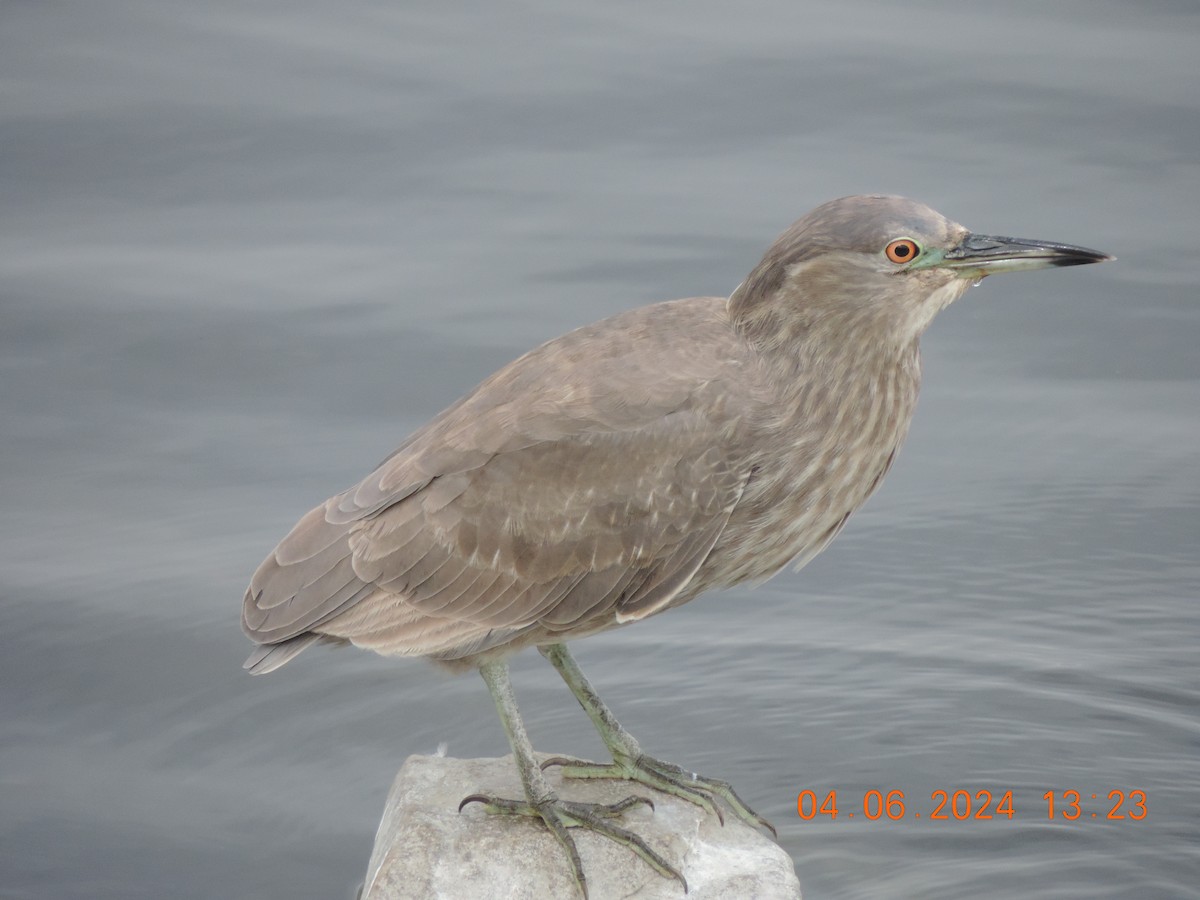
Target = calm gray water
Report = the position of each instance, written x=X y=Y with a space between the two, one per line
x=245 y=248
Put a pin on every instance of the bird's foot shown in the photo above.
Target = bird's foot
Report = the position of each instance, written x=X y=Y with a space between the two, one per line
x=666 y=777
x=560 y=815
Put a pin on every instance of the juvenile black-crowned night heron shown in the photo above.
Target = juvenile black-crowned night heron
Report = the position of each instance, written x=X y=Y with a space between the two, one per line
x=624 y=468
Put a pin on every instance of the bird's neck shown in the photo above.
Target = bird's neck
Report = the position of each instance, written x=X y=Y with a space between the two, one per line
x=804 y=344
x=836 y=376
x=842 y=378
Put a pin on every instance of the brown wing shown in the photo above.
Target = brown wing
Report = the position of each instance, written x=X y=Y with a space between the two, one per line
x=581 y=486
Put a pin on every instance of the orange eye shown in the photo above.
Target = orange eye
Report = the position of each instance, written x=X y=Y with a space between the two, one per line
x=902 y=250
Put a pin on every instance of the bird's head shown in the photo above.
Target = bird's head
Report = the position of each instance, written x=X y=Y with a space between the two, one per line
x=877 y=267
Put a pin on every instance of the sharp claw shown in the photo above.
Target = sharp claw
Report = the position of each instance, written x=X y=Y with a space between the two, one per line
x=555 y=761
x=630 y=802
x=474 y=798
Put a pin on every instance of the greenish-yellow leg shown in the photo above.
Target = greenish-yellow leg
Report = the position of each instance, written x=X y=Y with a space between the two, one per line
x=629 y=762
x=540 y=800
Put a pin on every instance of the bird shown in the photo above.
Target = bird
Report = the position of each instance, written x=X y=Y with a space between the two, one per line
x=624 y=468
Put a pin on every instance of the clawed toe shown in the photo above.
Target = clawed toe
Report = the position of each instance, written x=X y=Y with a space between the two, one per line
x=668 y=778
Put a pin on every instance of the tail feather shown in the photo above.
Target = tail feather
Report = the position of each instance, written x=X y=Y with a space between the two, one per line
x=270 y=657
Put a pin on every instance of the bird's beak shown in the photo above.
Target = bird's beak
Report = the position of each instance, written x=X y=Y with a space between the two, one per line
x=984 y=254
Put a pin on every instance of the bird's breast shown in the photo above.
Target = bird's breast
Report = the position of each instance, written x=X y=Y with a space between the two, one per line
x=825 y=454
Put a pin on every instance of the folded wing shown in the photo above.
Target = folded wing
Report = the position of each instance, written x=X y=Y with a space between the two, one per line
x=567 y=493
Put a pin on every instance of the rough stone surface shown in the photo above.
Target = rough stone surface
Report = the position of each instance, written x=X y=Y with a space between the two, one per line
x=426 y=849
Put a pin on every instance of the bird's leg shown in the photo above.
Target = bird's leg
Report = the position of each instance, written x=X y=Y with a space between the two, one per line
x=541 y=801
x=629 y=762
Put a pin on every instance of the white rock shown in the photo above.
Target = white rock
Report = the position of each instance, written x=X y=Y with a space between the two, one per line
x=426 y=849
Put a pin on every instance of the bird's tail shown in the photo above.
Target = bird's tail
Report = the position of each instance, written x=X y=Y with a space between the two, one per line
x=270 y=657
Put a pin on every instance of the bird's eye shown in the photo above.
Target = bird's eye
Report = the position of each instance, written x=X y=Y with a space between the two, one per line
x=902 y=250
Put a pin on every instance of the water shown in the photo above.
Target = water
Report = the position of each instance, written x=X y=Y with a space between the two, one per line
x=246 y=248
